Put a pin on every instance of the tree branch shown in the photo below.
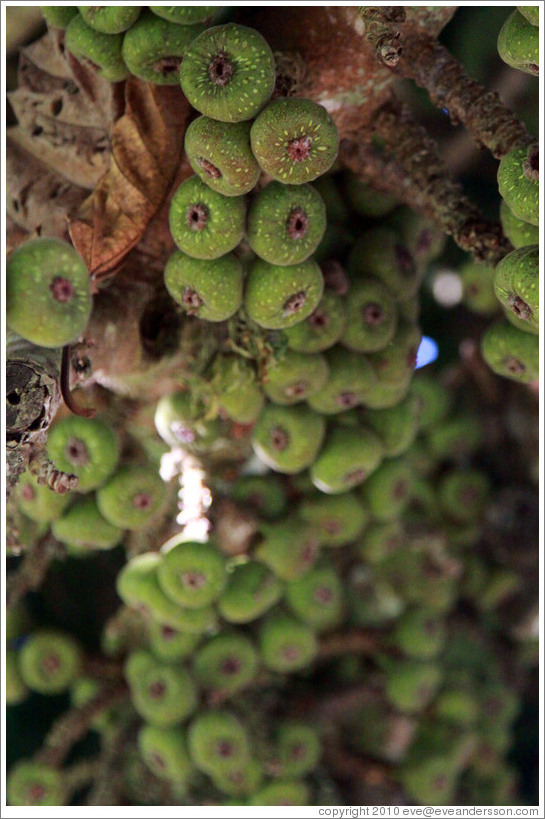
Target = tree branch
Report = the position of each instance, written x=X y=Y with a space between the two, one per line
x=32 y=398
x=382 y=33
x=31 y=573
x=356 y=641
x=482 y=112
x=416 y=152
x=75 y=723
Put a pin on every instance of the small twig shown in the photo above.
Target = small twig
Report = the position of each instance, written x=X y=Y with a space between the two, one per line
x=356 y=641
x=345 y=765
x=102 y=668
x=30 y=574
x=75 y=723
x=68 y=398
x=382 y=32
x=460 y=152
x=107 y=781
x=32 y=398
x=417 y=154
x=335 y=705
x=80 y=775
x=47 y=473
x=482 y=112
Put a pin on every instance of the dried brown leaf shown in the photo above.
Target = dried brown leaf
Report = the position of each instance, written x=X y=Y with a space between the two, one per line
x=60 y=125
x=39 y=199
x=147 y=146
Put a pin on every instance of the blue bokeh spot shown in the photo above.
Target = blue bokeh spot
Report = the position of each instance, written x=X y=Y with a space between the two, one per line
x=427 y=352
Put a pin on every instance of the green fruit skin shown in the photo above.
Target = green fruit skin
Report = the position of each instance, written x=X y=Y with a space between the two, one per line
x=279 y=125
x=295 y=377
x=305 y=430
x=516 y=284
x=84 y=527
x=236 y=389
x=351 y=380
x=32 y=311
x=98 y=442
x=218 y=283
x=518 y=185
x=434 y=401
x=118 y=499
x=102 y=50
x=531 y=13
x=151 y=40
x=298 y=748
x=286 y=644
x=322 y=328
x=58 y=16
x=337 y=519
x=364 y=199
x=252 y=590
x=511 y=352
x=268 y=223
x=478 y=288
x=38 y=502
x=265 y=493
x=113 y=20
x=289 y=792
x=220 y=153
x=224 y=222
x=184 y=14
x=211 y=659
x=164 y=750
x=382 y=254
x=369 y=335
x=396 y=426
x=519 y=232
x=386 y=492
x=254 y=73
x=289 y=548
x=170 y=645
x=138 y=587
x=16 y=690
x=190 y=560
x=270 y=288
x=49 y=661
x=518 y=44
x=317 y=598
x=178 y=695
x=210 y=729
x=33 y=783
x=346 y=460
x=180 y=421
x=411 y=685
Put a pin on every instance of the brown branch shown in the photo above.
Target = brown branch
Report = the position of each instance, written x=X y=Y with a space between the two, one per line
x=75 y=723
x=347 y=766
x=47 y=473
x=482 y=112
x=80 y=775
x=333 y=706
x=460 y=152
x=32 y=398
x=416 y=152
x=103 y=669
x=30 y=574
x=382 y=33
x=356 y=641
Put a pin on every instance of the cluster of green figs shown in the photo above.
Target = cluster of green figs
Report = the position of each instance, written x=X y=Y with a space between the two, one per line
x=205 y=630
x=511 y=344
x=364 y=490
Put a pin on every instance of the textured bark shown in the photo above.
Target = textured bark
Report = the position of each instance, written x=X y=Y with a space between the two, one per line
x=489 y=121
